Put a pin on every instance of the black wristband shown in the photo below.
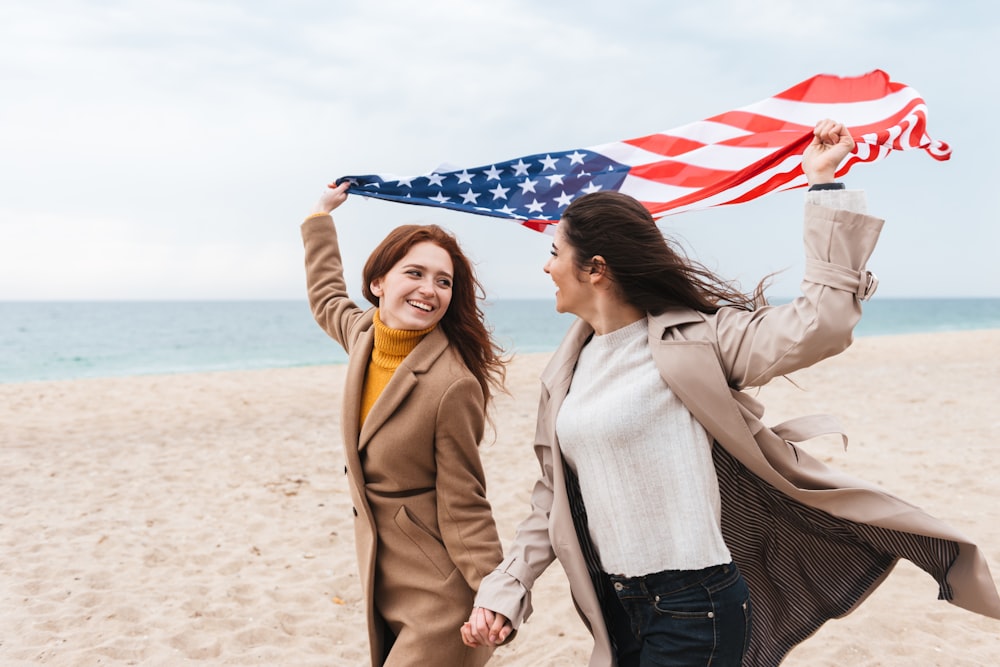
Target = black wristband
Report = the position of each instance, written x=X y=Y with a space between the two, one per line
x=827 y=186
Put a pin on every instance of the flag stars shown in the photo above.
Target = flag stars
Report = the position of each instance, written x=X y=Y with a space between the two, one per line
x=535 y=206
x=527 y=185
x=493 y=174
x=499 y=192
x=521 y=168
x=548 y=162
x=535 y=187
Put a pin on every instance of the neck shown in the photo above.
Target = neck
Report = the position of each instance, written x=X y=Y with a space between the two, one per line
x=611 y=315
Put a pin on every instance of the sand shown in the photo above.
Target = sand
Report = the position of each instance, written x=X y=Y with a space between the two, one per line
x=205 y=519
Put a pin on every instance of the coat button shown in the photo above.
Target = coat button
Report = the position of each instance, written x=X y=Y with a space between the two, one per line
x=355 y=510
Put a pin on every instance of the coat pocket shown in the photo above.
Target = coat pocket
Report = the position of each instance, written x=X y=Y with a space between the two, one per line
x=428 y=544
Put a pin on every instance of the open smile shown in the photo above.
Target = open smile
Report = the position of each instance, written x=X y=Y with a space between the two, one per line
x=420 y=305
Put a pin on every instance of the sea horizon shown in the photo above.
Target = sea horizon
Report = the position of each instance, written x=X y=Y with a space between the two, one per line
x=66 y=340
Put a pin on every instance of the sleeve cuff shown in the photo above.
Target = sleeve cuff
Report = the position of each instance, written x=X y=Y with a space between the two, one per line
x=827 y=186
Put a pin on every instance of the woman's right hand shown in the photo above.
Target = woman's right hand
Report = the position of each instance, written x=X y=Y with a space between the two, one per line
x=831 y=143
x=485 y=628
x=334 y=196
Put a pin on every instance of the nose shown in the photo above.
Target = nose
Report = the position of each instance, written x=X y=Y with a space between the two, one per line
x=545 y=267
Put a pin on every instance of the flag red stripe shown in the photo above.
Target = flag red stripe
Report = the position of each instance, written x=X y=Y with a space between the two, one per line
x=827 y=89
x=665 y=144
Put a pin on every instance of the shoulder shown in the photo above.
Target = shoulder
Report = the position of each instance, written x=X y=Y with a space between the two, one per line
x=679 y=324
x=440 y=365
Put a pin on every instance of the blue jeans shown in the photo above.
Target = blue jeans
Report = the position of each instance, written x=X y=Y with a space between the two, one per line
x=690 y=618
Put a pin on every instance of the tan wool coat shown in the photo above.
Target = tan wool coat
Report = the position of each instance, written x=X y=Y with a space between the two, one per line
x=424 y=530
x=811 y=541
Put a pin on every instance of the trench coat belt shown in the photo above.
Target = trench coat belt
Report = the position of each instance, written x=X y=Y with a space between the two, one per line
x=862 y=282
x=801 y=429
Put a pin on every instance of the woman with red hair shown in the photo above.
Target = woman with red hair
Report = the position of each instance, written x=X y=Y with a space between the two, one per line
x=421 y=373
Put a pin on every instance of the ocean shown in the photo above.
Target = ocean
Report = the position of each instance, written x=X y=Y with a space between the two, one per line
x=70 y=340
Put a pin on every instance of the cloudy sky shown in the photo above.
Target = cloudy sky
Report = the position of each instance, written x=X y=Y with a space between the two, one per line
x=169 y=149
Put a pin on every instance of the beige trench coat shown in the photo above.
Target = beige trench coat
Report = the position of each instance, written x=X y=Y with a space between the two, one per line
x=424 y=530
x=811 y=542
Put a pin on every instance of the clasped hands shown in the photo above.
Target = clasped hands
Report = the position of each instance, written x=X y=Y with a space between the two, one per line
x=486 y=628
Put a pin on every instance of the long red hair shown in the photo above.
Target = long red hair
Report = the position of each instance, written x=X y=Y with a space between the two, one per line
x=464 y=322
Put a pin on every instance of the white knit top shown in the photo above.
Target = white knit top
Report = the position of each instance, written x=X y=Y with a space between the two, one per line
x=644 y=462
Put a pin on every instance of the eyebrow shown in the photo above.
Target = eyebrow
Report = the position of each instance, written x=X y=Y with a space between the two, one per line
x=423 y=268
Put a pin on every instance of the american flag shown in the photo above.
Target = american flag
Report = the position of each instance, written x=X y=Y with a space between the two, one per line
x=730 y=158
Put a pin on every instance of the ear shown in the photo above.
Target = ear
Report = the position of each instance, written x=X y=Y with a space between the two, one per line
x=598 y=269
x=376 y=287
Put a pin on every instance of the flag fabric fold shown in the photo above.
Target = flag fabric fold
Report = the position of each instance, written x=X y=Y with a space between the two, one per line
x=734 y=157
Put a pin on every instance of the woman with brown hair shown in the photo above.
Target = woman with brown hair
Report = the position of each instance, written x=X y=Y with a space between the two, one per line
x=691 y=533
x=421 y=373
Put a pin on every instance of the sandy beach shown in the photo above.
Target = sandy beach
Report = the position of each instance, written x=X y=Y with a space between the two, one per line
x=205 y=519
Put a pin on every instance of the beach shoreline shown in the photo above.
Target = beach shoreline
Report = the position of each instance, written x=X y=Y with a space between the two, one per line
x=204 y=518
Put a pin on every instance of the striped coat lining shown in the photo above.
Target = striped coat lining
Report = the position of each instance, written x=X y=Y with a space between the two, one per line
x=803 y=566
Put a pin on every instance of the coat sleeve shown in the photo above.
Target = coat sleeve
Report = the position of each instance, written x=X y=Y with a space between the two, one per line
x=757 y=346
x=333 y=309
x=507 y=589
x=465 y=516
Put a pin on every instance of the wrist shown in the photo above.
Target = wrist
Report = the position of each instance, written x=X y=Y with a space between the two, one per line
x=830 y=185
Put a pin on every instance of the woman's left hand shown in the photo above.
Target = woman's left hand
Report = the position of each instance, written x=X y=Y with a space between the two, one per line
x=830 y=145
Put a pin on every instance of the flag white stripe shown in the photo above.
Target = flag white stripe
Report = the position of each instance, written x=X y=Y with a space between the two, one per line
x=848 y=113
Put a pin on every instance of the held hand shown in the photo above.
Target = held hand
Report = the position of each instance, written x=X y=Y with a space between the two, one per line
x=486 y=627
x=830 y=145
x=334 y=196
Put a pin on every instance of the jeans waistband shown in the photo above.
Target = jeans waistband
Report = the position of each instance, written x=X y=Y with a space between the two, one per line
x=673 y=578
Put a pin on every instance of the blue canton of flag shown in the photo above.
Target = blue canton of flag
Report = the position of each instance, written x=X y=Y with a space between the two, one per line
x=535 y=187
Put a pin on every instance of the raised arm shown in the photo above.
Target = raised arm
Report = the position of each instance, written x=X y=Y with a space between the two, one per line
x=328 y=298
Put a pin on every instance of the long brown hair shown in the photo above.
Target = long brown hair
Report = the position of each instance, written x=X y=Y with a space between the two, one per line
x=464 y=322
x=651 y=272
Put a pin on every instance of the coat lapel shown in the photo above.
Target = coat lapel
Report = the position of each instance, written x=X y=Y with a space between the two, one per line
x=404 y=379
x=692 y=370
x=558 y=372
x=357 y=366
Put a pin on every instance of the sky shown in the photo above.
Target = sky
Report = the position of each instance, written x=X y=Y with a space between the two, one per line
x=169 y=150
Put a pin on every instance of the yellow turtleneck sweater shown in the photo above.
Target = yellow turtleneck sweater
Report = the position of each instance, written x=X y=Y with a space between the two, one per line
x=391 y=347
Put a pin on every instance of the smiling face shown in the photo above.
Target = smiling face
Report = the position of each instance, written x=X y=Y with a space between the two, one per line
x=415 y=293
x=572 y=291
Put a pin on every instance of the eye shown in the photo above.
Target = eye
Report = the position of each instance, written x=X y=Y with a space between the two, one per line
x=414 y=273
x=445 y=282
